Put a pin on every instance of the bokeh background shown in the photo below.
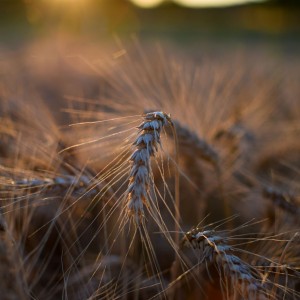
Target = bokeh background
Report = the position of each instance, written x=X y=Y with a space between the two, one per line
x=52 y=48
x=188 y=21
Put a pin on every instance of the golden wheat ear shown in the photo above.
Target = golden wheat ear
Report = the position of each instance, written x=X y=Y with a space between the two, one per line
x=146 y=144
x=285 y=200
x=241 y=279
x=195 y=146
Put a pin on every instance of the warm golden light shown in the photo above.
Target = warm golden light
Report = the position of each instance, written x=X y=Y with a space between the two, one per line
x=68 y=1
x=194 y=3
x=212 y=3
x=147 y=3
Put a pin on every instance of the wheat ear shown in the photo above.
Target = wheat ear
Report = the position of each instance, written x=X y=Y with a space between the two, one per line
x=195 y=146
x=214 y=248
x=146 y=144
x=282 y=199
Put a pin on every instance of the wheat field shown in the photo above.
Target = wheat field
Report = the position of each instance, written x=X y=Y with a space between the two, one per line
x=147 y=172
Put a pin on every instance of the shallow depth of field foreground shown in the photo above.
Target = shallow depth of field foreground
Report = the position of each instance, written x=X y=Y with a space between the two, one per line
x=150 y=174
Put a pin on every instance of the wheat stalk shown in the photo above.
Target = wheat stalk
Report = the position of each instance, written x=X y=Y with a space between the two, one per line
x=146 y=144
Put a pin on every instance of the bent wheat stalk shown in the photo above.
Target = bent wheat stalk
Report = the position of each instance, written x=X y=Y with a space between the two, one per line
x=146 y=144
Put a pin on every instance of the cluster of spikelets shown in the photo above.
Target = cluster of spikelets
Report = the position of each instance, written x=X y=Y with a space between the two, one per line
x=146 y=144
x=66 y=211
x=240 y=276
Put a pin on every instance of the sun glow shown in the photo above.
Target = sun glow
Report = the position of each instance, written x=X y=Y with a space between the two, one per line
x=147 y=3
x=194 y=3
x=213 y=3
